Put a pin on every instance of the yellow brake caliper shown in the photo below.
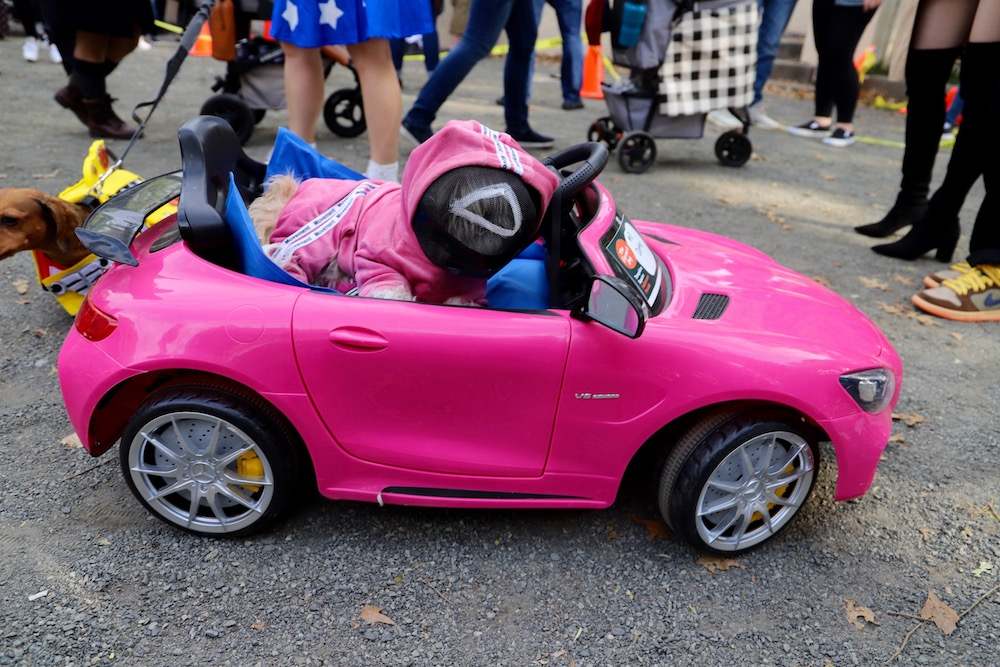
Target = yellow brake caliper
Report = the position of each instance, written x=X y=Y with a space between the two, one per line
x=780 y=492
x=249 y=465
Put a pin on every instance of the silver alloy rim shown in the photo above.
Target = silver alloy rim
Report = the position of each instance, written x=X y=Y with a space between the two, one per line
x=184 y=465
x=755 y=491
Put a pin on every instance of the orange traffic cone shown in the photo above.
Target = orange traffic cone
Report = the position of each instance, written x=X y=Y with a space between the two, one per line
x=203 y=45
x=593 y=73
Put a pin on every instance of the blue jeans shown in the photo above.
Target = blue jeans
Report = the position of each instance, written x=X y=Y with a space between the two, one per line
x=773 y=21
x=569 y=13
x=486 y=19
x=955 y=110
x=431 y=51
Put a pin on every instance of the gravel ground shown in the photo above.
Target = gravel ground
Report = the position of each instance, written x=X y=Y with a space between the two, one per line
x=510 y=587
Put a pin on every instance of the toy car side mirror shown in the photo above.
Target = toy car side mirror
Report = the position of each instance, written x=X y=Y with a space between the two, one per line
x=614 y=304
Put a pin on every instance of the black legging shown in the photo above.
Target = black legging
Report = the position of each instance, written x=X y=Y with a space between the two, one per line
x=27 y=13
x=837 y=30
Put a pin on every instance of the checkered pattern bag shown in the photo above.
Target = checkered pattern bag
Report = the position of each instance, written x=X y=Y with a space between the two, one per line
x=711 y=60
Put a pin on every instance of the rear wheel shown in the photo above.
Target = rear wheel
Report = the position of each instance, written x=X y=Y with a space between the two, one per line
x=604 y=129
x=209 y=462
x=736 y=480
x=234 y=110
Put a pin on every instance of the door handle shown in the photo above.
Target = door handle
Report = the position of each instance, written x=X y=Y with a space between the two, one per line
x=357 y=339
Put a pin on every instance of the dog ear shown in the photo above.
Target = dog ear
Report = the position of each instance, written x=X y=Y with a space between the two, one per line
x=61 y=220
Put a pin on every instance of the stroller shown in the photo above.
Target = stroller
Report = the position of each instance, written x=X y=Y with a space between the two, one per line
x=686 y=59
x=254 y=81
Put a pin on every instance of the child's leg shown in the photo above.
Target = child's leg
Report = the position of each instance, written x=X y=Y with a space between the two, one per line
x=303 y=89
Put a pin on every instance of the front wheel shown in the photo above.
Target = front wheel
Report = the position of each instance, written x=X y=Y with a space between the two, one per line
x=637 y=152
x=604 y=129
x=736 y=480
x=733 y=148
x=209 y=462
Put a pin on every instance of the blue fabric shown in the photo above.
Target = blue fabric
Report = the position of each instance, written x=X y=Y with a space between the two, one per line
x=486 y=19
x=523 y=284
x=292 y=155
x=251 y=257
x=774 y=15
x=955 y=110
x=311 y=23
x=569 y=14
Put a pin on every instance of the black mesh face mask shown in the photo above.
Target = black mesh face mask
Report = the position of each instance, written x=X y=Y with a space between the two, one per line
x=474 y=220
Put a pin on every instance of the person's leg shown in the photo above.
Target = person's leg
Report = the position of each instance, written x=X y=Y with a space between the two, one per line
x=486 y=19
x=569 y=15
x=848 y=25
x=398 y=47
x=824 y=38
x=26 y=14
x=522 y=29
x=383 y=105
x=774 y=19
x=432 y=51
x=304 y=89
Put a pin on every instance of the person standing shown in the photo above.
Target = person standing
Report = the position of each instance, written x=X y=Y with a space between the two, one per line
x=774 y=16
x=569 y=14
x=365 y=27
x=27 y=12
x=486 y=19
x=837 y=29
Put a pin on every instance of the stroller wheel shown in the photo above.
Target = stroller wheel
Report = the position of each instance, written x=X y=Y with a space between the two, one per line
x=733 y=149
x=604 y=129
x=637 y=152
x=344 y=114
x=234 y=110
x=258 y=115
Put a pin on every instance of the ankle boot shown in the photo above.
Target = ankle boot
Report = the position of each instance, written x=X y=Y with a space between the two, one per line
x=103 y=122
x=926 y=234
x=906 y=211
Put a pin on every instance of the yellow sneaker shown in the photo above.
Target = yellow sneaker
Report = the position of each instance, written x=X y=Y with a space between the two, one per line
x=972 y=297
x=953 y=272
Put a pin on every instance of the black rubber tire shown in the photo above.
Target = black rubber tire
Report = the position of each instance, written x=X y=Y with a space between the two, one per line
x=700 y=450
x=604 y=129
x=636 y=152
x=344 y=114
x=733 y=148
x=234 y=110
x=258 y=115
x=251 y=415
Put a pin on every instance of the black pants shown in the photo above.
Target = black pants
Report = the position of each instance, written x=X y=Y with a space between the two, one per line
x=27 y=13
x=981 y=90
x=837 y=31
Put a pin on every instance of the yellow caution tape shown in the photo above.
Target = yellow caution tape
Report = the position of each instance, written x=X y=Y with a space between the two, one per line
x=169 y=27
x=499 y=49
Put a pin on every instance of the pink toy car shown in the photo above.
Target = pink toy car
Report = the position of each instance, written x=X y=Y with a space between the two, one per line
x=661 y=345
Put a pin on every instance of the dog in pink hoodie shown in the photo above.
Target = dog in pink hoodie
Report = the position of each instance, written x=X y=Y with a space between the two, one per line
x=471 y=200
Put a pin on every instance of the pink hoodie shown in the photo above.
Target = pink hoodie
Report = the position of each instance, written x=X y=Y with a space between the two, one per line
x=366 y=225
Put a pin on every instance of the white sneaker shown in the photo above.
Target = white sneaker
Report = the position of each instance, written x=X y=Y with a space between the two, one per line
x=761 y=119
x=54 y=55
x=722 y=118
x=30 y=50
x=144 y=45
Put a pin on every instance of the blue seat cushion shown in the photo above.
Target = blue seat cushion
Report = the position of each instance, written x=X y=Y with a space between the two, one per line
x=523 y=284
x=292 y=155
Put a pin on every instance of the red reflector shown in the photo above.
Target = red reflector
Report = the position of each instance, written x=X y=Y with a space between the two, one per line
x=92 y=323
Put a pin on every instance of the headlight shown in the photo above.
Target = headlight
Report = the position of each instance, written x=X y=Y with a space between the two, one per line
x=872 y=390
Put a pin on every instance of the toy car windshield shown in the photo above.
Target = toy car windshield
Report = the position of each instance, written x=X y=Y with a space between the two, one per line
x=112 y=227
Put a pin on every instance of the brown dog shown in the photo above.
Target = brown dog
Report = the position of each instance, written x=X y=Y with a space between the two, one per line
x=33 y=220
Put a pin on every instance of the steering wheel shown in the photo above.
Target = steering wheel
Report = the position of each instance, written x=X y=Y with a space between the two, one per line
x=593 y=155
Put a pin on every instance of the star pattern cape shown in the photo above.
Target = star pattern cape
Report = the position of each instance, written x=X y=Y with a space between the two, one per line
x=312 y=23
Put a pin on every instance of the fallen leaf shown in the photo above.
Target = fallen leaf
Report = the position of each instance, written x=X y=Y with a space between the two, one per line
x=51 y=174
x=258 y=625
x=967 y=534
x=71 y=441
x=925 y=533
x=896 y=438
x=655 y=528
x=371 y=614
x=957 y=336
x=892 y=309
x=911 y=419
x=398 y=579
x=829 y=177
x=984 y=567
x=821 y=280
x=925 y=320
x=874 y=283
x=612 y=534
x=858 y=615
x=20 y=285
x=24 y=302
x=39 y=333
x=103 y=542
x=937 y=611
x=902 y=280
x=715 y=564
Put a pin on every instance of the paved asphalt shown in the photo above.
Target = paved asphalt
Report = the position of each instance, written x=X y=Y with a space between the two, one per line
x=512 y=588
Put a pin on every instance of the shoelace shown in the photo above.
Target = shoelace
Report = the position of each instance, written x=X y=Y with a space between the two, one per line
x=979 y=278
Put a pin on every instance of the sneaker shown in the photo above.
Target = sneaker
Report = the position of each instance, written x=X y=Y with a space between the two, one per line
x=54 y=55
x=811 y=130
x=528 y=138
x=413 y=135
x=572 y=105
x=760 y=117
x=972 y=297
x=722 y=118
x=954 y=271
x=840 y=138
x=30 y=49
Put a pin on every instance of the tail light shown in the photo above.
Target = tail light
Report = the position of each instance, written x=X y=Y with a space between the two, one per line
x=93 y=323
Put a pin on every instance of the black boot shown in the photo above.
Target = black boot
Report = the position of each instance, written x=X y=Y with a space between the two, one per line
x=926 y=234
x=906 y=211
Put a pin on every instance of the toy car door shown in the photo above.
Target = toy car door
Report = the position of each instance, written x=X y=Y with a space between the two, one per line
x=439 y=388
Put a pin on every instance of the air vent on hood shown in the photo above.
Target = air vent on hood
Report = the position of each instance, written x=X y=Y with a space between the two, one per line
x=710 y=306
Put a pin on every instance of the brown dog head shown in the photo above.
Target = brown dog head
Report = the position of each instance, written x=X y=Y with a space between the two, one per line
x=33 y=220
